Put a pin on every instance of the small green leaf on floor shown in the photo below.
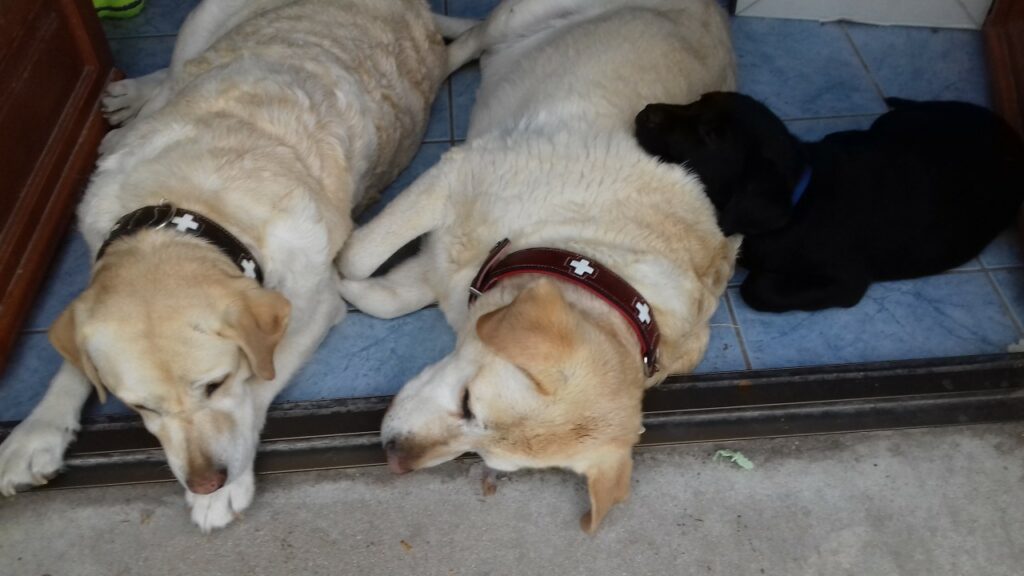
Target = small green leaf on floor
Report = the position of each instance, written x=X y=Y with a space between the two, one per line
x=736 y=457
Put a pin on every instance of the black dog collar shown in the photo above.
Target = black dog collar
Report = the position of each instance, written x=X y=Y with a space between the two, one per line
x=186 y=222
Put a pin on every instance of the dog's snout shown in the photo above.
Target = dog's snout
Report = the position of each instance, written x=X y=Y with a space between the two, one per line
x=207 y=482
x=397 y=462
x=650 y=116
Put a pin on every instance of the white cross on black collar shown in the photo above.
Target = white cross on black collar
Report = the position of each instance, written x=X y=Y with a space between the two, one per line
x=186 y=222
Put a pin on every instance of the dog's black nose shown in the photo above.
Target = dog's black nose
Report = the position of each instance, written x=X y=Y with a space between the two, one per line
x=650 y=116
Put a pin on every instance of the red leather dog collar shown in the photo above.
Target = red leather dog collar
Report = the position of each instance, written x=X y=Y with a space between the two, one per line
x=584 y=272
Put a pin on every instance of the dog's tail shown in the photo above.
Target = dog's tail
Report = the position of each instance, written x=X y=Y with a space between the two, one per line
x=467 y=47
x=452 y=27
x=894 y=102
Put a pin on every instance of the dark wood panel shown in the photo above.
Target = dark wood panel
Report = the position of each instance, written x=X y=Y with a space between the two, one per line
x=54 y=63
x=47 y=73
x=1004 y=48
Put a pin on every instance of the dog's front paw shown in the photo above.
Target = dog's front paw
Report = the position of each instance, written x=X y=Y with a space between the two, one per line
x=122 y=100
x=217 y=510
x=348 y=267
x=32 y=454
x=355 y=262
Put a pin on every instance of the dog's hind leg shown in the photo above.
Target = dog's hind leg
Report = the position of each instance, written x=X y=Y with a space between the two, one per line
x=210 y=20
x=34 y=451
x=404 y=289
x=510 y=20
x=206 y=23
x=419 y=209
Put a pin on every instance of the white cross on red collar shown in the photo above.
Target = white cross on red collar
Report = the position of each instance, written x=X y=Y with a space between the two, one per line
x=581 y=267
x=643 y=312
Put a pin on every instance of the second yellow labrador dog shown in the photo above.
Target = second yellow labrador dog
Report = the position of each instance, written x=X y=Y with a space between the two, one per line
x=215 y=216
x=614 y=262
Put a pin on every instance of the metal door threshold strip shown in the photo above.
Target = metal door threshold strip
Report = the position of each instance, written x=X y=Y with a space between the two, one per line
x=697 y=408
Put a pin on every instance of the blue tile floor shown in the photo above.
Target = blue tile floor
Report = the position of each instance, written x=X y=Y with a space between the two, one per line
x=819 y=77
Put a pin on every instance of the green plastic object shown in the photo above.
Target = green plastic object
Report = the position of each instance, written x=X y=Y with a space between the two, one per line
x=736 y=457
x=118 y=9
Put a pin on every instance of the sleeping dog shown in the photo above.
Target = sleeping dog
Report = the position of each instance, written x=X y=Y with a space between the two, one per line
x=576 y=269
x=924 y=189
x=215 y=216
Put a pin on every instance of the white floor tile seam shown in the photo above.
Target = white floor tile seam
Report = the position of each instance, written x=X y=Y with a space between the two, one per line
x=737 y=330
x=1007 y=306
x=875 y=84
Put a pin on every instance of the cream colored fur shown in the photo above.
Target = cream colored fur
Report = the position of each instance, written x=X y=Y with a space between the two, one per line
x=551 y=161
x=275 y=119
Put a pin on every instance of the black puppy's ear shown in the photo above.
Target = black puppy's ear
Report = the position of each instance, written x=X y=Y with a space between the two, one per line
x=760 y=205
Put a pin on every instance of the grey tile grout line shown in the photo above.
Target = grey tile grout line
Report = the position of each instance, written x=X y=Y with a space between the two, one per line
x=451 y=111
x=836 y=117
x=953 y=272
x=1002 y=298
x=979 y=268
x=752 y=4
x=1006 y=305
x=970 y=17
x=999 y=293
x=738 y=331
x=863 y=63
x=141 y=37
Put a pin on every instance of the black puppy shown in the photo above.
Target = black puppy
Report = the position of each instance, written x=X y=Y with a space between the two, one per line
x=923 y=190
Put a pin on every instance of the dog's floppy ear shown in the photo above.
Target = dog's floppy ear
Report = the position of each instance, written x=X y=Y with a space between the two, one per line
x=535 y=332
x=762 y=204
x=64 y=337
x=608 y=479
x=258 y=322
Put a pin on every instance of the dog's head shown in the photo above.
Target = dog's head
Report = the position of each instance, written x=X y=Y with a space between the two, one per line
x=545 y=381
x=176 y=332
x=742 y=152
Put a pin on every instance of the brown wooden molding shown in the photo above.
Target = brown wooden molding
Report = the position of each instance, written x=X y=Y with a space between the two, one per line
x=1004 y=47
x=54 y=64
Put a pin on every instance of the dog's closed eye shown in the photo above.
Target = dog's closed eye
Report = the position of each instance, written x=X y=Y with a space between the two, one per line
x=467 y=413
x=212 y=387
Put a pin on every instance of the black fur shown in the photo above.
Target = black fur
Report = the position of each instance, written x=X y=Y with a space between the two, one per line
x=921 y=191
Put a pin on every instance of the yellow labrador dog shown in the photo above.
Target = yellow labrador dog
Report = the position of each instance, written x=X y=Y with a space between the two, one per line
x=216 y=215
x=614 y=262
